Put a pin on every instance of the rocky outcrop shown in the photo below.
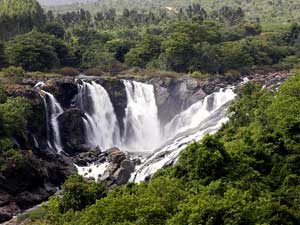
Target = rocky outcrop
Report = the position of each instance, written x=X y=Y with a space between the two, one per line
x=119 y=169
x=92 y=156
x=72 y=131
x=36 y=133
x=64 y=90
x=31 y=183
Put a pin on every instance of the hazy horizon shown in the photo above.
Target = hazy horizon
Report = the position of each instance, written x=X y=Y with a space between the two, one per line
x=62 y=2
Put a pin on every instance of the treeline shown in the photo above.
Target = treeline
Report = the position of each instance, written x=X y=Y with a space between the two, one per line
x=186 y=41
x=247 y=173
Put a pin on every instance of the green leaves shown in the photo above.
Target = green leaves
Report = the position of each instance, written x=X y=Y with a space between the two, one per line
x=35 y=51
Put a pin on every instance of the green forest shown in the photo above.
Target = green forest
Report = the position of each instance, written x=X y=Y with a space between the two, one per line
x=246 y=173
x=191 y=41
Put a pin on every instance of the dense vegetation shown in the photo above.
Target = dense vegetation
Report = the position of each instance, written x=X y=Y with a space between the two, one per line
x=263 y=10
x=218 y=42
x=247 y=173
x=13 y=120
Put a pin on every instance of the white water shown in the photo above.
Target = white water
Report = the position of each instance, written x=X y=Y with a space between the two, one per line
x=101 y=122
x=54 y=110
x=191 y=125
x=142 y=132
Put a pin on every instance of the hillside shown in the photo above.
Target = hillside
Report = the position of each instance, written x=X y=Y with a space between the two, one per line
x=266 y=10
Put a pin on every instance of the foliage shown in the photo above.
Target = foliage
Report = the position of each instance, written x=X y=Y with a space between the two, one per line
x=13 y=71
x=69 y=71
x=78 y=193
x=19 y=17
x=13 y=121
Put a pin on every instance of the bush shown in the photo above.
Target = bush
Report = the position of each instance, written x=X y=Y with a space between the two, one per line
x=232 y=75
x=78 y=193
x=96 y=71
x=10 y=160
x=69 y=71
x=200 y=75
x=13 y=71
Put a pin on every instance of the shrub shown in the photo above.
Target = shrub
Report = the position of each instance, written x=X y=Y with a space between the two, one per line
x=78 y=193
x=13 y=71
x=200 y=75
x=96 y=71
x=232 y=75
x=69 y=71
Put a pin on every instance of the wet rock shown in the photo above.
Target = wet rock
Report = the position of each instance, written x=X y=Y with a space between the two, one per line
x=72 y=131
x=91 y=156
x=122 y=176
x=119 y=169
x=64 y=90
x=128 y=165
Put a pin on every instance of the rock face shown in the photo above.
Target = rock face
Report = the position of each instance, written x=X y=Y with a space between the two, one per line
x=72 y=131
x=175 y=95
x=64 y=90
x=30 y=184
x=37 y=128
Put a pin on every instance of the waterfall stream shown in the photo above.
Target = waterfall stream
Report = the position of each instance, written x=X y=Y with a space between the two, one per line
x=101 y=123
x=142 y=126
x=52 y=108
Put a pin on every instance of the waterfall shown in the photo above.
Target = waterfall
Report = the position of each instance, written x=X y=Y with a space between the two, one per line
x=143 y=132
x=205 y=116
x=54 y=110
x=142 y=127
x=195 y=114
x=101 y=123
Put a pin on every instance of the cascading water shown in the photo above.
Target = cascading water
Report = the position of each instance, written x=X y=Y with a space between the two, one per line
x=203 y=117
x=142 y=127
x=101 y=122
x=143 y=132
x=53 y=109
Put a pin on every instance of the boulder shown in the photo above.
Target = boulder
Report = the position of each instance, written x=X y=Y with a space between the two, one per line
x=72 y=131
x=122 y=176
x=128 y=165
x=116 y=156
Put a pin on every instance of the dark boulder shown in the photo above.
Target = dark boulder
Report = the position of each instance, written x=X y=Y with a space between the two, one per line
x=122 y=176
x=72 y=131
